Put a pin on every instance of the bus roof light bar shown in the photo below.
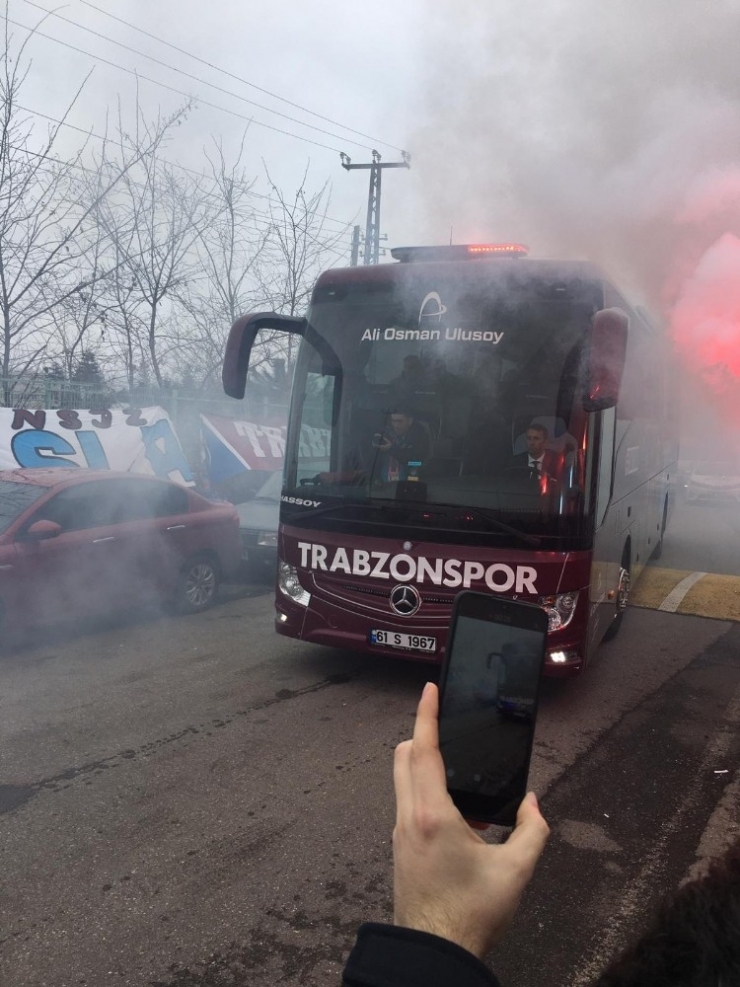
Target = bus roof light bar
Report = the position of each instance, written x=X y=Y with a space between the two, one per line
x=459 y=251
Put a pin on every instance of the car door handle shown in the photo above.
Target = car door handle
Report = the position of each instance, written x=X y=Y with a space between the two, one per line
x=97 y=541
x=176 y=527
x=6 y=566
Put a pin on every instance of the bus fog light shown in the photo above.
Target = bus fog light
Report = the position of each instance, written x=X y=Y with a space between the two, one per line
x=563 y=657
x=559 y=609
x=289 y=584
x=282 y=618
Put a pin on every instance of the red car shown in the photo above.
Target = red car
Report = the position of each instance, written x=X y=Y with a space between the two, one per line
x=76 y=542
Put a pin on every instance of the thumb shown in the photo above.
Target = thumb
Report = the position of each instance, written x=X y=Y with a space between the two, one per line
x=530 y=833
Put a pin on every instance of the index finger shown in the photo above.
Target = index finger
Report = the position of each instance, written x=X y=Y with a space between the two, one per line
x=426 y=726
x=427 y=767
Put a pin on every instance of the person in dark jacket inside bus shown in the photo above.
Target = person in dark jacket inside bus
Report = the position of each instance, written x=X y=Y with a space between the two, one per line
x=403 y=448
x=455 y=896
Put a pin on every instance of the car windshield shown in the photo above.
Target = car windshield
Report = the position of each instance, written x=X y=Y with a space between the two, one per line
x=444 y=397
x=15 y=498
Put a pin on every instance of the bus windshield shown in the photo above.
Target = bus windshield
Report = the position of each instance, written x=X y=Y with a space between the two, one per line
x=445 y=396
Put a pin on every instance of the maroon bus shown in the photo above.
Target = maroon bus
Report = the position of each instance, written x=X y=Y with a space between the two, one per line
x=467 y=418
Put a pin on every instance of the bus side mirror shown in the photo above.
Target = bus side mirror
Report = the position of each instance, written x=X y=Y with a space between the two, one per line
x=606 y=356
x=241 y=340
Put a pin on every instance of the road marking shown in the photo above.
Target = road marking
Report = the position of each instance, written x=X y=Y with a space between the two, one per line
x=721 y=831
x=710 y=594
x=675 y=598
x=636 y=890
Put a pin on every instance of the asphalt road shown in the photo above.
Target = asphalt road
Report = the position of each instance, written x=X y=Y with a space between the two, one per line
x=195 y=801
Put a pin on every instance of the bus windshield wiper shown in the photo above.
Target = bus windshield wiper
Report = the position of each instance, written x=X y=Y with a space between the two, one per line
x=532 y=540
x=386 y=509
x=314 y=512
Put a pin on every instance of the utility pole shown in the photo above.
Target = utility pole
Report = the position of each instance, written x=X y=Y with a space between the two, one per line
x=371 y=251
x=355 y=251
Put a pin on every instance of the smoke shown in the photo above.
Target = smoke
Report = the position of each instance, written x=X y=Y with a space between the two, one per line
x=705 y=319
x=602 y=131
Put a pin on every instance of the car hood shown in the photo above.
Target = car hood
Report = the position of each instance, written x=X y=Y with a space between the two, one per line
x=259 y=514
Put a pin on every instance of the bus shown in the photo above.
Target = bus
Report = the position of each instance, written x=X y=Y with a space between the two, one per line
x=467 y=417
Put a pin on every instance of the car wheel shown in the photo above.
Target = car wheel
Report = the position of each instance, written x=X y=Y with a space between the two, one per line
x=197 y=585
x=623 y=596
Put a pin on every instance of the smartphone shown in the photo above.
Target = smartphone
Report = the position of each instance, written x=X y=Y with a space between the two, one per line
x=489 y=688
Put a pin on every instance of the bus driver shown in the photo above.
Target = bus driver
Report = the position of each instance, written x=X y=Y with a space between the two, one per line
x=404 y=447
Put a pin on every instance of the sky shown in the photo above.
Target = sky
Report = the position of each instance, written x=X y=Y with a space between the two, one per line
x=606 y=132
x=338 y=60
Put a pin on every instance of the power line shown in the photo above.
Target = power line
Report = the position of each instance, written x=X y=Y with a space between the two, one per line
x=237 y=78
x=164 y=85
x=189 y=75
x=256 y=216
x=165 y=161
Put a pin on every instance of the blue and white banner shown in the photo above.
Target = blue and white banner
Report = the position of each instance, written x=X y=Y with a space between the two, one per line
x=132 y=440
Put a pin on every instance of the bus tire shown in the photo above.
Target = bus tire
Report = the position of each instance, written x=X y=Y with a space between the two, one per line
x=623 y=594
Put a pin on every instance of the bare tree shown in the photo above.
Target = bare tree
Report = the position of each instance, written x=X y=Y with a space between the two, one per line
x=229 y=250
x=84 y=311
x=154 y=222
x=301 y=245
x=50 y=249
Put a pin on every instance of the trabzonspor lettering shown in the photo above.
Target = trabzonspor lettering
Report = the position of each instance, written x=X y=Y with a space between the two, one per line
x=453 y=573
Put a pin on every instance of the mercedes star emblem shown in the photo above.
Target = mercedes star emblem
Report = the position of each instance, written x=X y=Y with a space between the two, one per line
x=405 y=600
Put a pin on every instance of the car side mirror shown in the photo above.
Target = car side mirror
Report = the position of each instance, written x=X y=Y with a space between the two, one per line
x=606 y=356
x=43 y=530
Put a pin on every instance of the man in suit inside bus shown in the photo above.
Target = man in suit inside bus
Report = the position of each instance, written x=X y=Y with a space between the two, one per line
x=538 y=459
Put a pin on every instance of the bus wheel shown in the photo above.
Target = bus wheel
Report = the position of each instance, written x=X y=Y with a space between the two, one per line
x=623 y=596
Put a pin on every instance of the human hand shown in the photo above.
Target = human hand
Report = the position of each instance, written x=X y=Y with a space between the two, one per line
x=381 y=442
x=447 y=880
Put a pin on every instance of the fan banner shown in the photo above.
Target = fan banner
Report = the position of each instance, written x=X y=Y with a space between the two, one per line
x=131 y=440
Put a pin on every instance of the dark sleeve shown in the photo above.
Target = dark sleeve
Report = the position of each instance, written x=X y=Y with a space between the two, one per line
x=389 y=956
x=420 y=445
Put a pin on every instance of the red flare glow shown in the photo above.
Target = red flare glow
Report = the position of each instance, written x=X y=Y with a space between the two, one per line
x=705 y=319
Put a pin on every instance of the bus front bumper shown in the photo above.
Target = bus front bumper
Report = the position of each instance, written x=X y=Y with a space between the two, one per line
x=334 y=627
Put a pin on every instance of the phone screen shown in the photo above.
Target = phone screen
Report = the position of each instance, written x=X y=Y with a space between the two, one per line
x=489 y=705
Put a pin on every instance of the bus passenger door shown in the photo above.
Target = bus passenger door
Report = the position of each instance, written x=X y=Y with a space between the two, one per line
x=606 y=551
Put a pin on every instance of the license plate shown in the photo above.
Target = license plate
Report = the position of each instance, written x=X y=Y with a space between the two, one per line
x=407 y=642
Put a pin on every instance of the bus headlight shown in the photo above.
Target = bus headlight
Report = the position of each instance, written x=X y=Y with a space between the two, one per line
x=289 y=584
x=559 y=609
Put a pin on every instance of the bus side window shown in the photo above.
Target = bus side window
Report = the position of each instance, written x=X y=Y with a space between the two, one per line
x=606 y=456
